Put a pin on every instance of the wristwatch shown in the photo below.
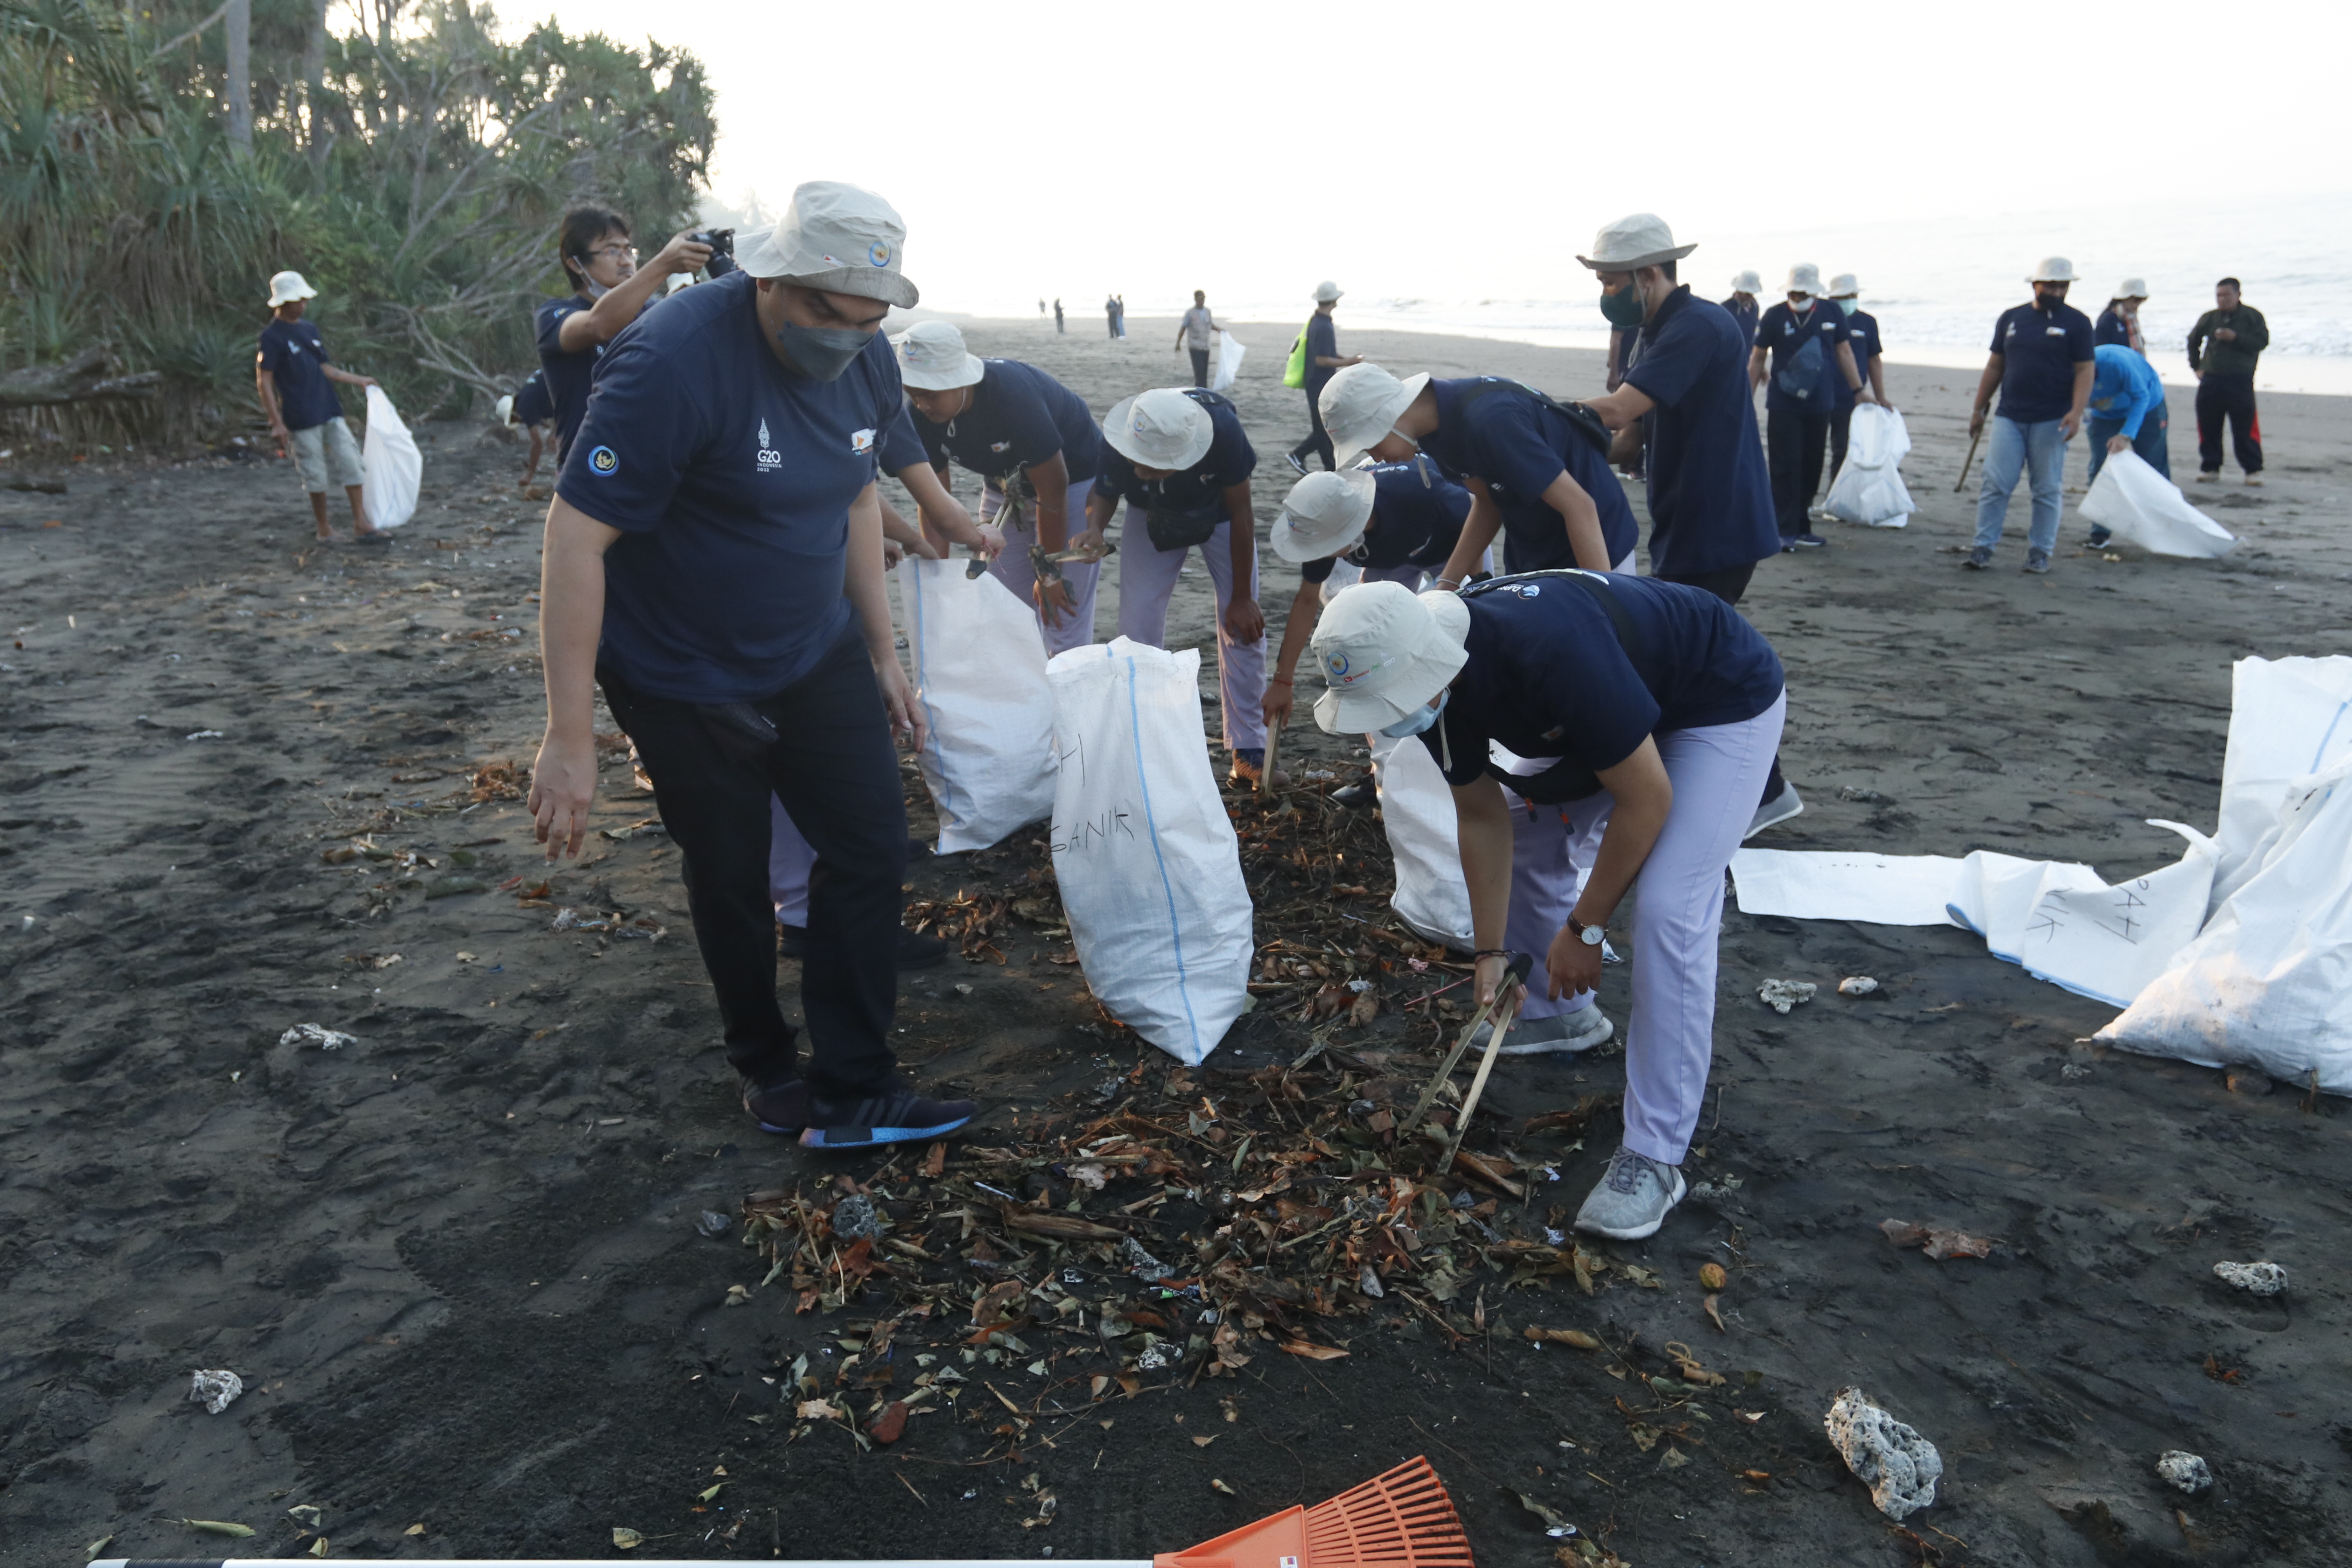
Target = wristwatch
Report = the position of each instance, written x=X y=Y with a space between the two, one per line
x=1591 y=936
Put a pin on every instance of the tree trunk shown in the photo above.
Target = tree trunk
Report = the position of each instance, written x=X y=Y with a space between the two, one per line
x=240 y=76
x=83 y=379
x=314 y=82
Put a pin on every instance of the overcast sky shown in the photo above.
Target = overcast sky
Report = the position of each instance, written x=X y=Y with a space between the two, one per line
x=1471 y=149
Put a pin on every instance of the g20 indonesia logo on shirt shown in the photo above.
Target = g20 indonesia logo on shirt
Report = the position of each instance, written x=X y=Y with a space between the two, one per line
x=770 y=458
x=605 y=461
x=861 y=440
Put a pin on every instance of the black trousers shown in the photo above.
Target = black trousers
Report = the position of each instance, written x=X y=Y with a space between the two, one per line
x=1728 y=584
x=1200 y=367
x=1318 y=439
x=1840 y=425
x=2230 y=397
x=837 y=774
x=1794 y=441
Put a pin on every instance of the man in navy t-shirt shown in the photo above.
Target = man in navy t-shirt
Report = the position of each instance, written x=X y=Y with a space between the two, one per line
x=1323 y=360
x=1710 y=504
x=1742 y=308
x=2042 y=364
x=290 y=373
x=714 y=561
x=1861 y=330
x=1801 y=348
x=609 y=290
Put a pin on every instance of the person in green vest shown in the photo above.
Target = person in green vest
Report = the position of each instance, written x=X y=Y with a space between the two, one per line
x=1314 y=360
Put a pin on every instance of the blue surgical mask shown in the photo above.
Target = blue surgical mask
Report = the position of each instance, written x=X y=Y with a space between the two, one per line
x=1420 y=719
x=822 y=354
x=1849 y=306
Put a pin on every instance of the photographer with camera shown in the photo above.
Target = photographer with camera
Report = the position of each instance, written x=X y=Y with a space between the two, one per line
x=609 y=290
x=713 y=561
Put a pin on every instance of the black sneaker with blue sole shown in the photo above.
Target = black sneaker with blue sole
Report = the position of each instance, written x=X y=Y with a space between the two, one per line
x=891 y=1114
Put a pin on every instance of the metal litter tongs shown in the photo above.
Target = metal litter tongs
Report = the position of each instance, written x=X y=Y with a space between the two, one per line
x=1502 y=1010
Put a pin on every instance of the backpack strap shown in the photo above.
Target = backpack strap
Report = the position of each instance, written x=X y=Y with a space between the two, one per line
x=1580 y=419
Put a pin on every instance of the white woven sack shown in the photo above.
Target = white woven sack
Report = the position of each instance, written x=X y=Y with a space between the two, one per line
x=1230 y=350
x=2144 y=508
x=1417 y=810
x=389 y=464
x=1144 y=854
x=980 y=676
x=1869 y=487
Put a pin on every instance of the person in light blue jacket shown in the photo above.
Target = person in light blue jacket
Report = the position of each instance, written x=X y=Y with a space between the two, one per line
x=2126 y=413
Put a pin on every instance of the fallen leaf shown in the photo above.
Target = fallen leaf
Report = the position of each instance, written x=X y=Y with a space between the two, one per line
x=1311 y=1351
x=1714 y=1313
x=318 y=1547
x=817 y=1410
x=91 y=1551
x=1096 y=1385
x=1690 y=1366
x=219 y=1526
x=1674 y=1459
x=935 y=1161
x=1204 y=1442
x=891 y=1424
x=625 y=1538
x=1062 y=1226
x=1757 y=1475
x=737 y=1296
x=1645 y=1436
x=304 y=1513
x=1221 y=1486
x=712 y=1492
x=417 y=1529
x=1943 y=1243
x=1576 y=1337
x=1712 y=1277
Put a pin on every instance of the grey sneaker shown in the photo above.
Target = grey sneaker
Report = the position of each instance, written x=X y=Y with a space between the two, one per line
x=1779 y=808
x=1564 y=1034
x=1979 y=558
x=1634 y=1198
x=2037 y=561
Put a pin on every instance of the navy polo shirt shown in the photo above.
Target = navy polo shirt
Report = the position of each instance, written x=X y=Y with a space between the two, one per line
x=1323 y=339
x=292 y=354
x=1743 y=316
x=731 y=479
x=1547 y=678
x=1417 y=516
x=531 y=403
x=1020 y=416
x=1229 y=460
x=1710 y=494
x=2111 y=328
x=1860 y=334
x=2039 y=350
x=568 y=374
x=901 y=448
x=1780 y=331
x=1507 y=438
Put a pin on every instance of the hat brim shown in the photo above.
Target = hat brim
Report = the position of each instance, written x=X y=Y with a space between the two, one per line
x=1285 y=534
x=1363 y=437
x=306 y=292
x=763 y=258
x=968 y=373
x=2045 y=277
x=1653 y=259
x=1204 y=436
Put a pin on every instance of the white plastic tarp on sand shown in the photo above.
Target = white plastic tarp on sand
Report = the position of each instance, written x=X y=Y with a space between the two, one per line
x=392 y=467
x=2239 y=952
x=1230 y=350
x=1417 y=811
x=2144 y=508
x=979 y=678
x=1869 y=486
x=1148 y=868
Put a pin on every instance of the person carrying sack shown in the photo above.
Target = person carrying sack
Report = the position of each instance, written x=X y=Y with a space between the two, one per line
x=290 y=374
x=1802 y=351
x=1036 y=448
x=1178 y=458
x=713 y=561
x=1658 y=699
x=1315 y=358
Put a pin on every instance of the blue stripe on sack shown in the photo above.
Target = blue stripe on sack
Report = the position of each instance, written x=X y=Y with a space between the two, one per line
x=2317 y=756
x=1175 y=934
x=931 y=718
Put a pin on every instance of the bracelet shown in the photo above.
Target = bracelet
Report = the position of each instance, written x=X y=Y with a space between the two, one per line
x=1450 y=584
x=1490 y=952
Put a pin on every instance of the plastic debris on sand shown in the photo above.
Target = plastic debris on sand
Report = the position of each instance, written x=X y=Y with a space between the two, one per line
x=2184 y=1470
x=1856 y=985
x=1899 y=1467
x=215 y=1389
x=317 y=1035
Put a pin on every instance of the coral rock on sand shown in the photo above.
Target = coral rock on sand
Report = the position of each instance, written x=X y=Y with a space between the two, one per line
x=1899 y=1467
x=1782 y=994
x=2260 y=1279
x=2184 y=1470
x=215 y=1390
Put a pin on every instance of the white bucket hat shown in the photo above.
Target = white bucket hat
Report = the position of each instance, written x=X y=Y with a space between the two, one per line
x=838 y=237
x=2054 y=269
x=1324 y=514
x=1362 y=403
x=1804 y=278
x=932 y=358
x=2132 y=289
x=1327 y=292
x=1749 y=283
x=1642 y=239
x=287 y=286
x=1385 y=651
x=1162 y=428
x=1843 y=287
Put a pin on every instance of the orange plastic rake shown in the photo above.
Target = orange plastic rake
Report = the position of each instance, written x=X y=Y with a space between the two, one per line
x=1400 y=1520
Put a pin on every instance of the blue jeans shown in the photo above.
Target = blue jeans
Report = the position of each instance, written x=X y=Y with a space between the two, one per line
x=2016 y=449
x=2150 y=443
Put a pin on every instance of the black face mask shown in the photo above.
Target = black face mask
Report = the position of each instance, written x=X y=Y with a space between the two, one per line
x=822 y=354
x=2048 y=300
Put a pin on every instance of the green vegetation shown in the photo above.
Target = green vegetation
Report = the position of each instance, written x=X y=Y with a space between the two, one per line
x=413 y=169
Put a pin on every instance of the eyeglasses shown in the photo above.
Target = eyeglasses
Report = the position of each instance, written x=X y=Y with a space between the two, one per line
x=630 y=251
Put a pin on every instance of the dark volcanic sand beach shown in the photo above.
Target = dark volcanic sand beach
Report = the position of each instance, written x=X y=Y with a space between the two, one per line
x=456 y=1262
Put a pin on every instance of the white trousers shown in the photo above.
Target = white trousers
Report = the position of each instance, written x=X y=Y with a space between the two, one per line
x=789 y=860
x=1717 y=774
x=1017 y=571
x=1147 y=577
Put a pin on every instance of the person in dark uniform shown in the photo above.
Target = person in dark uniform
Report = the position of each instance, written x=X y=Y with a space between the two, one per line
x=2119 y=322
x=2042 y=364
x=1323 y=360
x=1862 y=338
x=1742 y=307
x=1652 y=701
x=713 y=562
x=1801 y=344
x=609 y=290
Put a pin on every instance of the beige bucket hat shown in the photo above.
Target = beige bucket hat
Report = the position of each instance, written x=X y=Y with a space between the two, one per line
x=839 y=237
x=1749 y=283
x=2054 y=269
x=287 y=286
x=1385 y=651
x=1804 y=278
x=1324 y=514
x=1162 y=428
x=2132 y=289
x=1639 y=239
x=932 y=358
x=1845 y=287
x=1327 y=292
x=1362 y=403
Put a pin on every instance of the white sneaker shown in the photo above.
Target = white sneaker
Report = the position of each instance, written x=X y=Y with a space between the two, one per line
x=1779 y=808
x=1562 y=1034
x=1634 y=1198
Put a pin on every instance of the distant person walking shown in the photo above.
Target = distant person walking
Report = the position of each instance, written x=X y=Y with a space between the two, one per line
x=1198 y=333
x=290 y=375
x=1110 y=312
x=1058 y=328
x=1118 y=314
x=1862 y=338
x=2224 y=347
x=1323 y=360
x=1800 y=352
x=609 y=290
x=1743 y=306
x=2042 y=364
x=2119 y=322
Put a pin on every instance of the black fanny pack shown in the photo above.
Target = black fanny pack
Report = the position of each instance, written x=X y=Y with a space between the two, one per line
x=1568 y=779
x=1174 y=529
